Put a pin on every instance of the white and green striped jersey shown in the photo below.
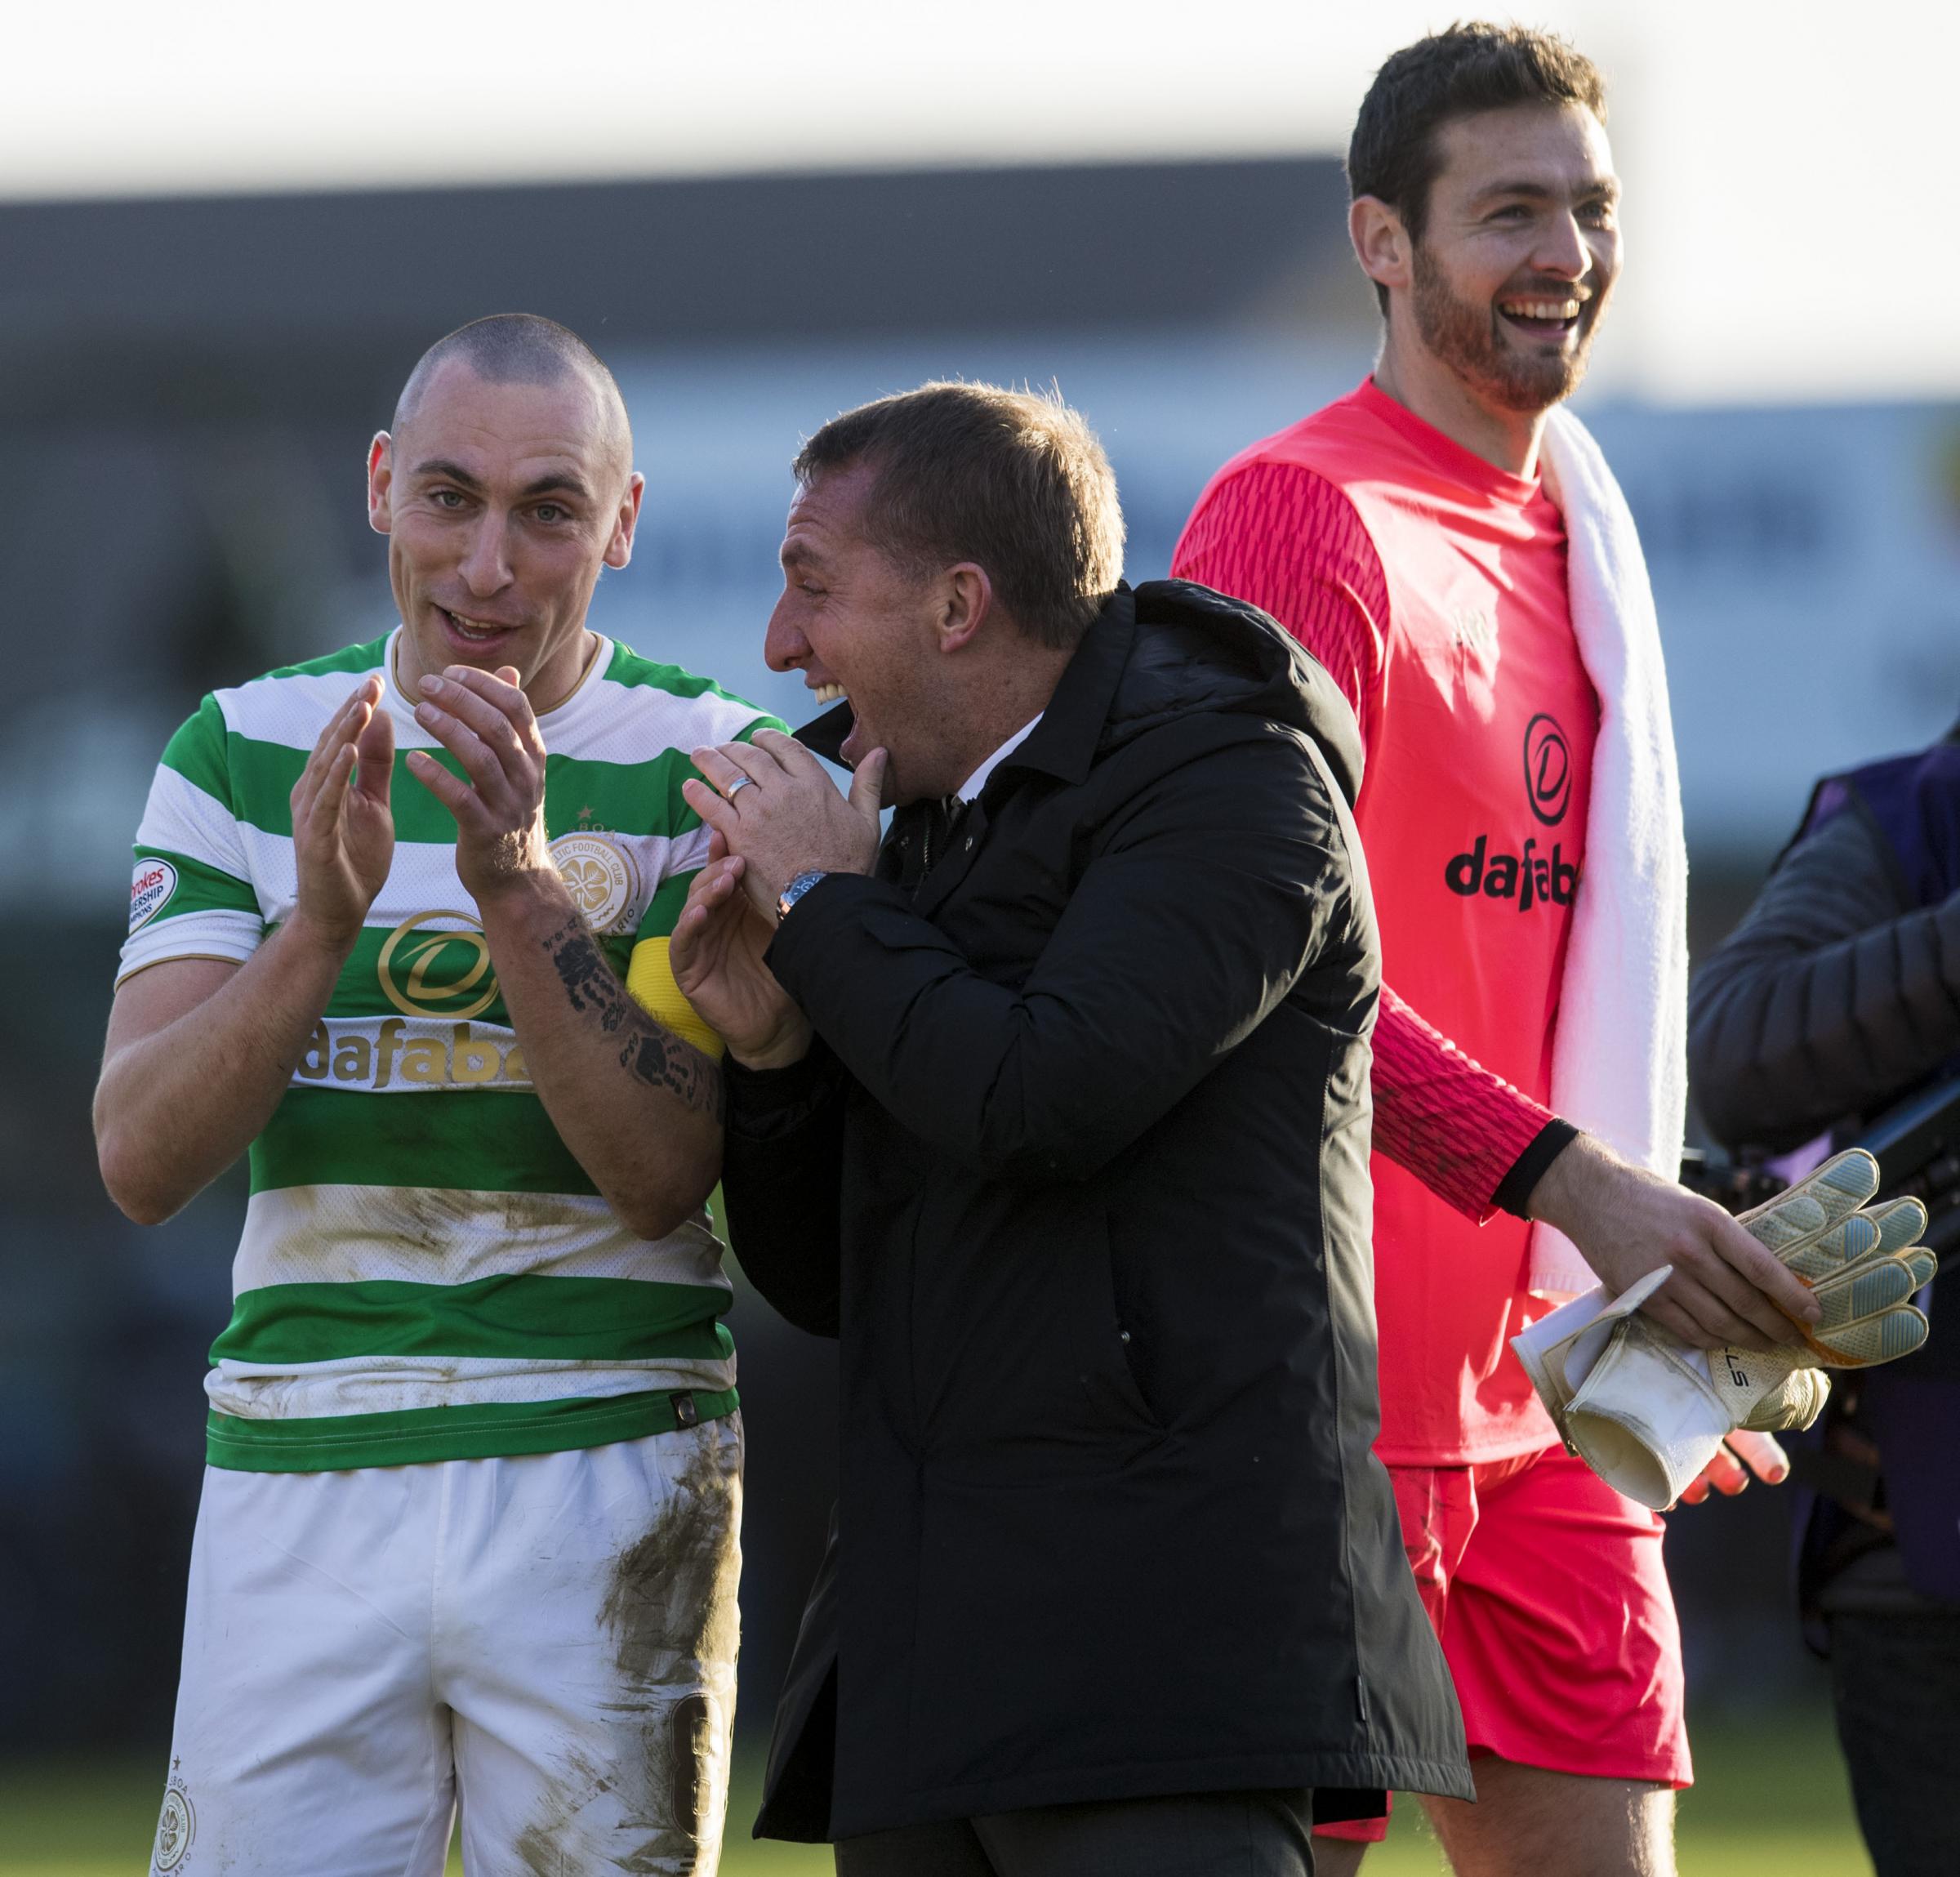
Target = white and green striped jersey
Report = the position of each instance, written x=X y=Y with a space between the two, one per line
x=426 y=1272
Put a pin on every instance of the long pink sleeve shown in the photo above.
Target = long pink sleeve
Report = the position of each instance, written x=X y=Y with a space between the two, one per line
x=1290 y=542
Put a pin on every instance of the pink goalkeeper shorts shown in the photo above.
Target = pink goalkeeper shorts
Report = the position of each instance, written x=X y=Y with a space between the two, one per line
x=1548 y=1594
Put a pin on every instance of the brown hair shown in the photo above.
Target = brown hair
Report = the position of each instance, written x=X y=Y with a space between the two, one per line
x=1471 y=66
x=1014 y=481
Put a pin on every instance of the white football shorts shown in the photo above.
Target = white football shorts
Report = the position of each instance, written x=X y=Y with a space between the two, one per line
x=546 y=1643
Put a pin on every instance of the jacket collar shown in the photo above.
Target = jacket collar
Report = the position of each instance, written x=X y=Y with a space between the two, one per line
x=1063 y=744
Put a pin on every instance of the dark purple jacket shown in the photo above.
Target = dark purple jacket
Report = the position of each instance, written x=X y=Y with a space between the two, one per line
x=1838 y=996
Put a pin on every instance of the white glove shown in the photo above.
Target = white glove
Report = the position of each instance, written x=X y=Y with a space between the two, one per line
x=1648 y=1413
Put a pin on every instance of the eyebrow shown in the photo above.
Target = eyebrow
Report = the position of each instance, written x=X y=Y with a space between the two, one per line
x=561 y=481
x=796 y=554
x=1606 y=189
x=448 y=471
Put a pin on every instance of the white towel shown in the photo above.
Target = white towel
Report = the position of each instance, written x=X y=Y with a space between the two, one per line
x=1619 y=1057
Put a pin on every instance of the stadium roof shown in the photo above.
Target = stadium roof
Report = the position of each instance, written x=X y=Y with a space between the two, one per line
x=206 y=306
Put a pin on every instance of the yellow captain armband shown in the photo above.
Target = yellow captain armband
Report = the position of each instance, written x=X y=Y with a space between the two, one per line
x=650 y=981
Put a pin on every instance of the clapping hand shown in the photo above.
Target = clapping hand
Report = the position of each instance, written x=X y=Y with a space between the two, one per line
x=716 y=953
x=343 y=829
x=486 y=723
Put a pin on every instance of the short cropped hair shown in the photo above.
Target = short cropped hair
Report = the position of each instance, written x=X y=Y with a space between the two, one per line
x=1395 y=154
x=516 y=349
x=1013 y=481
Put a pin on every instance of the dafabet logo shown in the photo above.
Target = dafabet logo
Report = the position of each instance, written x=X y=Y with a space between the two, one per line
x=390 y=1053
x=435 y=969
x=438 y=974
x=1531 y=876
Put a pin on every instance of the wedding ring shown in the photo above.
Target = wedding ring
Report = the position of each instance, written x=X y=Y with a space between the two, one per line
x=737 y=787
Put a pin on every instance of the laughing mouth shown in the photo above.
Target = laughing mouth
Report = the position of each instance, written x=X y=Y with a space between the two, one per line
x=1542 y=315
x=829 y=693
x=482 y=630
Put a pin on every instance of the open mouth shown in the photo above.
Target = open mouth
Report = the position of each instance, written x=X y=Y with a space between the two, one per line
x=828 y=693
x=1543 y=318
x=469 y=632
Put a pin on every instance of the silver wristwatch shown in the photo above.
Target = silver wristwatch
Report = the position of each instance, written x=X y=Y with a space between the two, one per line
x=796 y=888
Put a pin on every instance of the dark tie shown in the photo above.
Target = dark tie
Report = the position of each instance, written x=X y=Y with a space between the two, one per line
x=921 y=833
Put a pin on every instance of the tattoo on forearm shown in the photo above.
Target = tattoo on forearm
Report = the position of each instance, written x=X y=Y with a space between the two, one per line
x=647 y=1049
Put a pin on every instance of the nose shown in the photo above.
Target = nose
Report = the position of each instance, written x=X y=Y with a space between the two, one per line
x=486 y=564
x=1563 y=250
x=784 y=647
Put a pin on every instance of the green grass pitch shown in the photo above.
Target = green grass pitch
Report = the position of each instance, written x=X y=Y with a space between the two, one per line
x=1770 y=1801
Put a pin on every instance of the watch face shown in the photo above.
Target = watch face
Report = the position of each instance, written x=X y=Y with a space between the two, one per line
x=794 y=891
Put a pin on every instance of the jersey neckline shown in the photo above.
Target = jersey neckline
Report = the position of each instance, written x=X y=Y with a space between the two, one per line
x=1445 y=456
x=596 y=666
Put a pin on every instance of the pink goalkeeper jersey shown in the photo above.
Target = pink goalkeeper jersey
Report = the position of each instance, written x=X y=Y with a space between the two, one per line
x=1433 y=586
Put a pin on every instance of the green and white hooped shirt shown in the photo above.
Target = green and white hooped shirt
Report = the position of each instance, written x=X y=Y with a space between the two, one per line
x=426 y=1272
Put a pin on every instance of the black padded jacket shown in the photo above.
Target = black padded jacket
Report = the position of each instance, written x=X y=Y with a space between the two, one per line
x=1077 y=1172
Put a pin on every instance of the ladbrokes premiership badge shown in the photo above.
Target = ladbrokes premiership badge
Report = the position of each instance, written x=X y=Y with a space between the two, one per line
x=150 y=887
x=600 y=875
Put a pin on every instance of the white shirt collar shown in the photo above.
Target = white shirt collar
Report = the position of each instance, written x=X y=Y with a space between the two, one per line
x=971 y=788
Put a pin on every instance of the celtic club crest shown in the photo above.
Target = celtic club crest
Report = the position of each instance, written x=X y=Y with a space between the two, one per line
x=600 y=877
x=174 y=1830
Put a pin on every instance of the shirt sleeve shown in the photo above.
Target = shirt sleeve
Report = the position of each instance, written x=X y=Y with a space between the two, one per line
x=650 y=980
x=1832 y=997
x=191 y=895
x=1444 y=1117
x=1290 y=542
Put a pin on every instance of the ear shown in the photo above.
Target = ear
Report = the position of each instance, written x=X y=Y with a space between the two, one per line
x=619 y=547
x=967 y=600
x=380 y=479
x=1381 y=243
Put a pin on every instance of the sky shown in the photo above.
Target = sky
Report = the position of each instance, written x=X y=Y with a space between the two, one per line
x=1790 y=170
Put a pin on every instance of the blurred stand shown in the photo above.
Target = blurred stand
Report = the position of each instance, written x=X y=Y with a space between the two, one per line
x=187 y=391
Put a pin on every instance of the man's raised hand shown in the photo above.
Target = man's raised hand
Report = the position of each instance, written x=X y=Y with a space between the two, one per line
x=716 y=954
x=486 y=723
x=343 y=829
x=777 y=809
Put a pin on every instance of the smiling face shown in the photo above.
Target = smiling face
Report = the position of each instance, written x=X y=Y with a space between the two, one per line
x=501 y=502
x=856 y=626
x=1519 y=251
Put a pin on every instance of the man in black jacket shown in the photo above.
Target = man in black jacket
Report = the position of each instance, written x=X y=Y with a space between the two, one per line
x=1054 y=1109
x=1838 y=996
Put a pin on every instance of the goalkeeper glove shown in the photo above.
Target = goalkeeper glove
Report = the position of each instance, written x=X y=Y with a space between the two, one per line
x=1647 y=1413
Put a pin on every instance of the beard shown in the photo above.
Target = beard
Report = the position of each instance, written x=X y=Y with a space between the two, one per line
x=1469 y=340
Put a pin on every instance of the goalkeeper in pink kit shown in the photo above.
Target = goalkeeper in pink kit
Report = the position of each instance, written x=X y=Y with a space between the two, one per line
x=1405 y=535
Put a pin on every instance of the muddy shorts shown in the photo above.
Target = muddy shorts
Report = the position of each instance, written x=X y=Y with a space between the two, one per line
x=546 y=1644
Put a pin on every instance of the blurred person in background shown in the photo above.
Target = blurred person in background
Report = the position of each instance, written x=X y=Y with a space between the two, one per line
x=1453 y=549
x=1052 y=1107
x=398 y=926
x=1837 y=997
